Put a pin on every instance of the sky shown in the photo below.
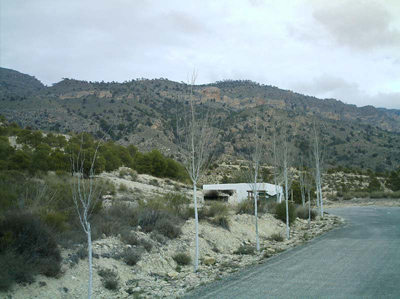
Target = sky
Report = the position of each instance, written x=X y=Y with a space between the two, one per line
x=343 y=49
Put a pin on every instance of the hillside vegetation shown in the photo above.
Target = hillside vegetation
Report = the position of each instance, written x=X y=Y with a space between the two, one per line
x=144 y=112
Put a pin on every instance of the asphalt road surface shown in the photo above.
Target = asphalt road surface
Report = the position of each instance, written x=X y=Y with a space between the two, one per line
x=358 y=260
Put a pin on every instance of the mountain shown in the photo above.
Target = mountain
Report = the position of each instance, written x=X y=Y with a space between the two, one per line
x=144 y=112
x=13 y=83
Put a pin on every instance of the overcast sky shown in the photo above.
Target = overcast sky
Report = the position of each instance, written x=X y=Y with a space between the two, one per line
x=348 y=50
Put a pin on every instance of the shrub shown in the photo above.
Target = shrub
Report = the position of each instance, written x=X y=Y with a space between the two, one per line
x=15 y=269
x=276 y=237
x=182 y=259
x=27 y=247
x=158 y=237
x=302 y=213
x=146 y=244
x=154 y=182
x=154 y=218
x=123 y=188
x=395 y=194
x=217 y=209
x=129 y=237
x=245 y=250
x=82 y=253
x=280 y=212
x=348 y=196
x=56 y=220
x=109 y=278
x=131 y=256
x=176 y=203
x=271 y=204
x=245 y=207
x=221 y=221
x=378 y=194
x=202 y=213
x=168 y=228
x=147 y=217
x=117 y=218
x=123 y=172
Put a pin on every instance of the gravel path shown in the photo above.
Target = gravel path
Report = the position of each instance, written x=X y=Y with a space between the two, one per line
x=359 y=260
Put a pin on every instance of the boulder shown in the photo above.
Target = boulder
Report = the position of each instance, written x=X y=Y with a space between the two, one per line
x=209 y=261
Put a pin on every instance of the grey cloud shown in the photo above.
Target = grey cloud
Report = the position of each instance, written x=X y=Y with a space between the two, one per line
x=329 y=86
x=359 y=24
x=184 y=22
x=231 y=39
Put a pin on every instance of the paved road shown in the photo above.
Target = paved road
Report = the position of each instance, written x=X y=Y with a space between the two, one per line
x=359 y=260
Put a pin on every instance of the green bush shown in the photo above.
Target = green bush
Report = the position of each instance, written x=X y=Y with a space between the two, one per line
x=123 y=188
x=152 y=216
x=176 y=203
x=348 y=196
x=302 y=213
x=56 y=220
x=378 y=194
x=168 y=228
x=280 y=212
x=245 y=250
x=245 y=207
x=131 y=256
x=182 y=259
x=217 y=209
x=146 y=244
x=130 y=238
x=26 y=241
x=276 y=237
x=395 y=194
x=221 y=221
x=109 y=278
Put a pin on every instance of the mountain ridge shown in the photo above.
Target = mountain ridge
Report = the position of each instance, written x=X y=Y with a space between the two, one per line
x=144 y=112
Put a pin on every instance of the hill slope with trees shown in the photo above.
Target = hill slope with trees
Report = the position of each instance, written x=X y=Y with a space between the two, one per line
x=144 y=113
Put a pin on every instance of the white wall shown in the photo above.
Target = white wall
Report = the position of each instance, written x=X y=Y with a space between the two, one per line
x=242 y=188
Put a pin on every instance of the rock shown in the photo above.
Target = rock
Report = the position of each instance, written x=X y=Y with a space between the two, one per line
x=209 y=261
x=270 y=250
x=172 y=274
x=66 y=290
x=103 y=236
x=42 y=284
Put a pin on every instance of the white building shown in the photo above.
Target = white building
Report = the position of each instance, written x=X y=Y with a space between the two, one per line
x=235 y=193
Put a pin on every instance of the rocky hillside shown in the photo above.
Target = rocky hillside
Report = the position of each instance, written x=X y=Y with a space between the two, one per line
x=144 y=112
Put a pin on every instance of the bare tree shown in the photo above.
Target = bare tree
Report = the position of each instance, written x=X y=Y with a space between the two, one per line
x=254 y=169
x=85 y=194
x=318 y=161
x=275 y=162
x=308 y=188
x=287 y=179
x=195 y=140
x=302 y=182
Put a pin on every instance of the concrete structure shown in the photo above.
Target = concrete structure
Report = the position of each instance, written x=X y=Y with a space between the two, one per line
x=235 y=193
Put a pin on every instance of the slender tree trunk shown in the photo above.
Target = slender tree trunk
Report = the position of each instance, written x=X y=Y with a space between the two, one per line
x=302 y=187
x=89 y=235
x=256 y=215
x=309 y=210
x=196 y=218
x=320 y=197
x=287 y=199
